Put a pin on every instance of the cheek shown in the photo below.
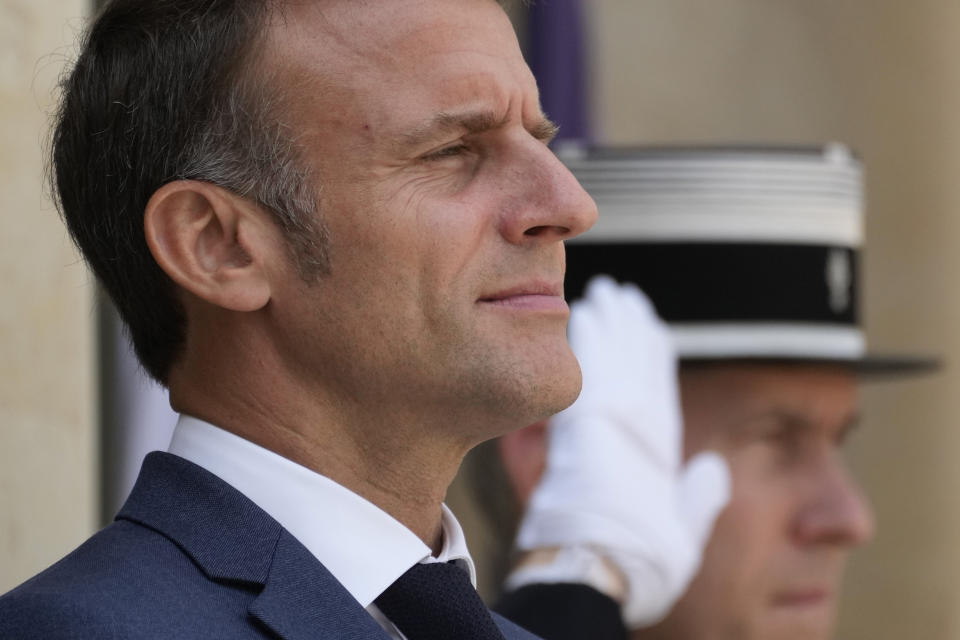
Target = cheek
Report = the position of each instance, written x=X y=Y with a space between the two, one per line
x=745 y=533
x=726 y=598
x=457 y=257
x=729 y=596
x=754 y=528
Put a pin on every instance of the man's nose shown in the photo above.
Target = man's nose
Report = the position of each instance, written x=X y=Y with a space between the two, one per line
x=836 y=512
x=547 y=204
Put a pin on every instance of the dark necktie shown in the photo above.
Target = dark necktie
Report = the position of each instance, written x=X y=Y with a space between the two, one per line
x=435 y=601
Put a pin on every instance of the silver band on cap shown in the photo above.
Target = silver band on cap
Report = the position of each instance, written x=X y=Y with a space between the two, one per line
x=745 y=252
x=780 y=341
x=800 y=195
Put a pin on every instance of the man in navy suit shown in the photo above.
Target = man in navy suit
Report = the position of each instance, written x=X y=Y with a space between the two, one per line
x=334 y=231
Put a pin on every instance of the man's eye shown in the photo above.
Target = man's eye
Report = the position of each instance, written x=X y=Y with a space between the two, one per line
x=447 y=152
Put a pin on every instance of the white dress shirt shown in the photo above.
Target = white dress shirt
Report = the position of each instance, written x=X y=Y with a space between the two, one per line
x=366 y=551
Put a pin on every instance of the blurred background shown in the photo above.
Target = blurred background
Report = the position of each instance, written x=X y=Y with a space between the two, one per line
x=878 y=75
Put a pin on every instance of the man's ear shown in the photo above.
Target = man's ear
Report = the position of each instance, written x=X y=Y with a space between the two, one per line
x=524 y=456
x=212 y=243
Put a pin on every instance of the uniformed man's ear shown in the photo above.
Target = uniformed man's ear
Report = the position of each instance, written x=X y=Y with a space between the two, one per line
x=524 y=456
x=212 y=243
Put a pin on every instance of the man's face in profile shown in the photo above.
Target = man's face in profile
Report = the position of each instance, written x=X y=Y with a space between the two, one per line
x=773 y=568
x=445 y=209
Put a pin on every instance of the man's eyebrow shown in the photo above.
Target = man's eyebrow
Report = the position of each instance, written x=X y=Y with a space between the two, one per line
x=789 y=421
x=545 y=130
x=849 y=426
x=445 y=122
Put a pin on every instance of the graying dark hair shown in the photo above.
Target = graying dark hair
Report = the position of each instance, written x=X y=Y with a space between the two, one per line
x=165 y=90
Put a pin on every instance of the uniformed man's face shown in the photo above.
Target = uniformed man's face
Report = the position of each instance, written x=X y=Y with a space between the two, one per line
x=446 y=214
x=773 y=567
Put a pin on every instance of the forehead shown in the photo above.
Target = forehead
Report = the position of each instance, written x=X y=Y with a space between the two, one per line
x=442 y=50
x=723 y=396
x=381 y=28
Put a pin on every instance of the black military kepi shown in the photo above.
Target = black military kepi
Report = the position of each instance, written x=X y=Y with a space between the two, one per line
x=748 y=253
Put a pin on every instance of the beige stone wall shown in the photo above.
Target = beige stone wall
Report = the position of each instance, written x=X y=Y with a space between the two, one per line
x=881 y=75
x=878 y=74
x=47 y=372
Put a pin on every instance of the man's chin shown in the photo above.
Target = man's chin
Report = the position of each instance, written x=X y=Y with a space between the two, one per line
x=525 y=386
x=561 y=387
x=810 y=622
x=549 y=390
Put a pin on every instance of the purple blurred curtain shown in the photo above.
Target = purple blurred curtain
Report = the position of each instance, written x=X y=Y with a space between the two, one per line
x=555 y=51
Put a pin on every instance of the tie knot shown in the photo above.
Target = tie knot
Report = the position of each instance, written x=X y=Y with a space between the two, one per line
x=436 y=600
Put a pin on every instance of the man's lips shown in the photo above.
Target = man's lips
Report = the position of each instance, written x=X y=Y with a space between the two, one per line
x=533 y=296
x=801 y=597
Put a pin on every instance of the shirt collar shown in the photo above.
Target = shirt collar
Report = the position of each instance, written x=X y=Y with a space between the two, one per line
x=364 y=547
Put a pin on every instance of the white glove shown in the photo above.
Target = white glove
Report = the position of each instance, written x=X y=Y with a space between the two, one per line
x=614 y=482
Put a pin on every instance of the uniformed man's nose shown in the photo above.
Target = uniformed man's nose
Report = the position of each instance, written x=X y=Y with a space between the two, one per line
x=837 y=513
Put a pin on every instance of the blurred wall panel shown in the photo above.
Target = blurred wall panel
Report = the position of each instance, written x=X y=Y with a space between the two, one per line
x=880 y=75
x=48 y=438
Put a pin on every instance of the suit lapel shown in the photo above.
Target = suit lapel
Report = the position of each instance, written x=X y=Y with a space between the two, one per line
x=302 y=600
x=232 y=540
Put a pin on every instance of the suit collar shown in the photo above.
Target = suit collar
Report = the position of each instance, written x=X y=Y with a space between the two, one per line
x=225 y=534
x=364 y=547
x=233 y=540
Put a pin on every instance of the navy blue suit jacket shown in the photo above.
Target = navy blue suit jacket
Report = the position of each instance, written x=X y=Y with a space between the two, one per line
x=189 y=556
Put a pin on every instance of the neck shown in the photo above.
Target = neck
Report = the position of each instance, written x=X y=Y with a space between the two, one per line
x=402 y=462
x=405 y=476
